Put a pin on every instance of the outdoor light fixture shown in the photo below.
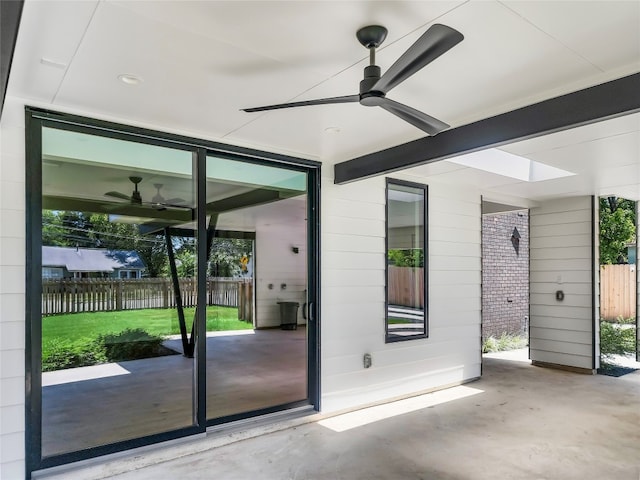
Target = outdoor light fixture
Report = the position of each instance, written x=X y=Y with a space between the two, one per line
x=515 y=240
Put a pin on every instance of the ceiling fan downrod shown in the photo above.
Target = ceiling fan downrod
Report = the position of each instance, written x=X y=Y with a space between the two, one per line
x=371 y=37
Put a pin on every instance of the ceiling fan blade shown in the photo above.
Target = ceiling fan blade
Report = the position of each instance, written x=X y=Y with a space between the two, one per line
x=321 y=101
x=433 y=43
x=416 y=118
x=118 y=195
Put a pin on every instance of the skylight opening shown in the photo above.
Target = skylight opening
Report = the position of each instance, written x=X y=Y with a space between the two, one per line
x=507 y=164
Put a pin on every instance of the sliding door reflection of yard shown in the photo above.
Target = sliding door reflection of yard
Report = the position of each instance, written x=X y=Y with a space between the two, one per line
x=74 y=326
x=88 y=321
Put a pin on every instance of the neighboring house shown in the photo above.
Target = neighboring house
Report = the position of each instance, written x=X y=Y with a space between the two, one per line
x=74 y=262
x=114 y=106
x=632 y=253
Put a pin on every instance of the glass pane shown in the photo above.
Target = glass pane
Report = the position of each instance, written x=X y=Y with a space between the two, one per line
x=256 y=331
x=405 y=261
x=112 y=353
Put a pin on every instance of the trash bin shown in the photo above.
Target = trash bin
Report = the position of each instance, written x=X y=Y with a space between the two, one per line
x=288 y=315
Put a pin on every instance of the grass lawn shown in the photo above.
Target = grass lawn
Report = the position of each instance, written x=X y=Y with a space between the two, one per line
x=75 y=326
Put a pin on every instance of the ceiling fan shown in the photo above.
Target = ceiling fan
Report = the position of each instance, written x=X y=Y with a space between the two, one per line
x=437 y=40
x=158 y=201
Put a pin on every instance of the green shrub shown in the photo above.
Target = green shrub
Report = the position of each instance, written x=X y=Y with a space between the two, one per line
x=59 y=354
x=616 y=340
x=130 y=344
x=504 y=342
x=625 y=321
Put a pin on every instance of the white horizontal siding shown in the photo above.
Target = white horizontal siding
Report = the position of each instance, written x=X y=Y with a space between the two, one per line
x=569 y=336
x=356 y=226
x=560 y=358
x=567 y=231
x=352 y=260
x=571 y=288
x=353 y=289
x=552 y=241
x=570 y=299
x=563 y=218
x=558 y=277
x=561 y=253
x=561 y=256
x=581 y=324
x=12 y=291
x=557 y=311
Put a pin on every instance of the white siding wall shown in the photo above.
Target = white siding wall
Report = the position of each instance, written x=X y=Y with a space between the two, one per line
x=353 y=283
x=561 y=259
x=277 y=264
x=353 y=286
x=12 y=288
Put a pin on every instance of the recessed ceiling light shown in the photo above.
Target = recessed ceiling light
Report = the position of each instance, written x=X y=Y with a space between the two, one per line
x=332 y=130
x=130 y=79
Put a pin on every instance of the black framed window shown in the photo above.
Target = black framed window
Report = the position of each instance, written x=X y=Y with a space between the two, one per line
x=406 y=261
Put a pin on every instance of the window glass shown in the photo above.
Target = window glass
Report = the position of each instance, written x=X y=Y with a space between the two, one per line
x=113 y=365
x=406 y=261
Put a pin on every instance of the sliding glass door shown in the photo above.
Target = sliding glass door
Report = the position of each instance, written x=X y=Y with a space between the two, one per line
x=265 y=367
x=172 y=287
x=112 y=359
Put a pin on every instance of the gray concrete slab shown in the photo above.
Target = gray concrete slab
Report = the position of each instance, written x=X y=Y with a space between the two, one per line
x=517 y=422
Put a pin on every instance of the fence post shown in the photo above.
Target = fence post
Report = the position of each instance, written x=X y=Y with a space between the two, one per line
x=119 y=291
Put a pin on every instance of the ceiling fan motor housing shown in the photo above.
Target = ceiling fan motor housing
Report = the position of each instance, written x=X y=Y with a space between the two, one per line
x=370 y=97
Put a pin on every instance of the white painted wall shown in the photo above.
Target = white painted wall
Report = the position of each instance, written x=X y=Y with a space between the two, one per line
x=561 y=332
x=276 y=264
x=353 y=286
x=12 y=291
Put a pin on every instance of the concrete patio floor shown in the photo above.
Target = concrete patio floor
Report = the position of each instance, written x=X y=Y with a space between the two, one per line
x=517 y=422
x=246 y=370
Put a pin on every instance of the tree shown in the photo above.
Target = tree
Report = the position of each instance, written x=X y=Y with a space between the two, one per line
x=411 y=257
x=96 y=230
x=617 y=229
x=225 y=257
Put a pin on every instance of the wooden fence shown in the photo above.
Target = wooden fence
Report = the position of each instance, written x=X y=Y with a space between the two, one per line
x=100 y=295
x=406 y=286
x=617 y=291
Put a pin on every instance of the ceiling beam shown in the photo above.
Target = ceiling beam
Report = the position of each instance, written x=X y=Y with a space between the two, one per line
x=601 y=102
x=10 y=12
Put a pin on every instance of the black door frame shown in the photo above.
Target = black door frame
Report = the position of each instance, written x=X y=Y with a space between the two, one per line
x=35 y=120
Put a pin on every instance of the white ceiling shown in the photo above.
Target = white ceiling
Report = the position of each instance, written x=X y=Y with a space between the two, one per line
x=201 y=62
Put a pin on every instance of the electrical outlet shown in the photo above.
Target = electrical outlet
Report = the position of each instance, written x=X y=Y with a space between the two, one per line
x=367 y=360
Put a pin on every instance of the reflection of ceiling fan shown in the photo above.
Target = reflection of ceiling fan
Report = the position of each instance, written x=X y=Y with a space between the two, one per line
x=437 y=40
x=158 y=201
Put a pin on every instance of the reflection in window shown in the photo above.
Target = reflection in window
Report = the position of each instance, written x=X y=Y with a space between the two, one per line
x=406 y=261
x=110 y=208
